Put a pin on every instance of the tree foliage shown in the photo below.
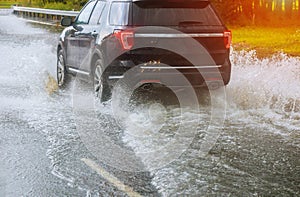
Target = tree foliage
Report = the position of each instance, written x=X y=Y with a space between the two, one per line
x=260 y=12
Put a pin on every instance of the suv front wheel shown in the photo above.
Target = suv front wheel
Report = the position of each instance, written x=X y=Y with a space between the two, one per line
x=61 y=73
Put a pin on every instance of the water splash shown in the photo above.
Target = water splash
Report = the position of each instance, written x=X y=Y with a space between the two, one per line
x=272 y=83
x=264 y=94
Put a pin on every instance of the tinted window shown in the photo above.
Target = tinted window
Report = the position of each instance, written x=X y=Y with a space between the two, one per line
x=119 y=13
x=174 y=14
x=85 y=14
x=97 y=13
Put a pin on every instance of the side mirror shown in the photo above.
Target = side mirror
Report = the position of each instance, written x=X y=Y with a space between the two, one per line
x=66 y=22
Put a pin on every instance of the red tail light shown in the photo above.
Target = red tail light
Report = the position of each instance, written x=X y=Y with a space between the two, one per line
x=227 y=39
x=126 y=38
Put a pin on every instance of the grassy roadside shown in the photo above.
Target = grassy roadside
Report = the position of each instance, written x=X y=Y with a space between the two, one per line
x=267 y=40
x=7 y=4
x=53 y=5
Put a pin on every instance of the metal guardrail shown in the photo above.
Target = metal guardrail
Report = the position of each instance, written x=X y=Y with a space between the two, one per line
x=43 y=16
x=17 y=9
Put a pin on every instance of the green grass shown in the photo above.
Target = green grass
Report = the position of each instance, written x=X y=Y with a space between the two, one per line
x=267 y=40
x=56 y=6
x=8 y=4
x=59 y=6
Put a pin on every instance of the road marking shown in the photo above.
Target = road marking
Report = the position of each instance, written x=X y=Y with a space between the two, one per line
x=115 y=181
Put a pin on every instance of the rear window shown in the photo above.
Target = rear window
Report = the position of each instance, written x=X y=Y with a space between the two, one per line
x=164 y=13
x=119 y=13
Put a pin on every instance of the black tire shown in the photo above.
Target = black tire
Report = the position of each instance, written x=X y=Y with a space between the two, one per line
x=226 y=72
x=100 y=85
x=63 y=77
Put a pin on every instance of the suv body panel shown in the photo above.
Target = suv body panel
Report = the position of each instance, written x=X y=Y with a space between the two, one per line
x=86 y=41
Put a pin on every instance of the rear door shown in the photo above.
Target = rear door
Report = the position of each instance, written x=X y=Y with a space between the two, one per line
x=88 y=36
x=74 y=53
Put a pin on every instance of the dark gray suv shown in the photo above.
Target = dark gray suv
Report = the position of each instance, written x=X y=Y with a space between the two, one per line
x=110 y=37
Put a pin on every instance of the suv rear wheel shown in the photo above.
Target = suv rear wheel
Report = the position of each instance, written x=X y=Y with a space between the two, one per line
x=101 y=88
x=226 y=72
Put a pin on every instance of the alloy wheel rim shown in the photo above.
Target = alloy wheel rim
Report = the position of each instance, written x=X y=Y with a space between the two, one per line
x=60 y=71
x=98 y=85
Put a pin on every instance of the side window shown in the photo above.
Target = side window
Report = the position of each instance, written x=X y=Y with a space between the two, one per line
x=119 y=13
x=85 y=14
x=97 y=13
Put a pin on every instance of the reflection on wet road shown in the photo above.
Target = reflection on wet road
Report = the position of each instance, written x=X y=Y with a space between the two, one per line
x=43 y=151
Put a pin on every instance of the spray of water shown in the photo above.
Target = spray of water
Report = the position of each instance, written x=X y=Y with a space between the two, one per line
x=263 y=93
x=265 y=83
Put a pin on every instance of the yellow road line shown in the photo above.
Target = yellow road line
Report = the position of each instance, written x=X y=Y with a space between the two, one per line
x=115 y=181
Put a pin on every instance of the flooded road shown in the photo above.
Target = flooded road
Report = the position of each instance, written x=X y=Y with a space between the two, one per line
x=45 y=153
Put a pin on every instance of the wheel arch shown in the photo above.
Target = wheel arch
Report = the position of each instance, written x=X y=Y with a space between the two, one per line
x=96 y=56
x=60 y=46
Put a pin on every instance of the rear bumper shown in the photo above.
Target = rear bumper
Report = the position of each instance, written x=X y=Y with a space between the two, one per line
x=172 y=76
x=139 y=56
